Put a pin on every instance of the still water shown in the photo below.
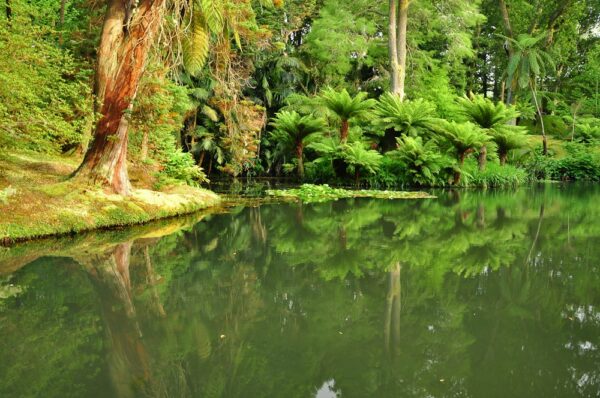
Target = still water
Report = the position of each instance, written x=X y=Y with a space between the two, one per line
x=473 y=294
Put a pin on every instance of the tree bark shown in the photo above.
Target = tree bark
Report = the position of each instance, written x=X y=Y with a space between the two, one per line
x=402 y=50
x=503 y=156
x=344 y=131
x=299 y=156
x=393 y=47
x=127 y=36
x=482 y=159
x=461 y=163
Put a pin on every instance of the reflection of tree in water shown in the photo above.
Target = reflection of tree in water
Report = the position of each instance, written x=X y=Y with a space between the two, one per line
x=378 y=298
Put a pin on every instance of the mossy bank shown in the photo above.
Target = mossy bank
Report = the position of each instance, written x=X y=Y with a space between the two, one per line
x=38 y=199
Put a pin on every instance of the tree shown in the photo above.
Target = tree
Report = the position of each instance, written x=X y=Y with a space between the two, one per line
x=494 y=118
x=464 y=138
x=127 y=35
x=358 y=158
x=291 y=131
x=397 y=29
x=410 y=118
x=526 y=65
x=346 y=107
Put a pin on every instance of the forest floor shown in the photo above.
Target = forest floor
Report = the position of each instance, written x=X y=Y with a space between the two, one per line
x=37 y=199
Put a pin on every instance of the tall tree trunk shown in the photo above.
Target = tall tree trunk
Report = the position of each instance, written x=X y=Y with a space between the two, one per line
x=402 y=50
x=539 y=112
x=344 y=131
x=393 y=47
x=299 y=156
x=127 y=36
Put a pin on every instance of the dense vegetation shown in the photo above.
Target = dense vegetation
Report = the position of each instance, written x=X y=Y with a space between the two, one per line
x=386 y=94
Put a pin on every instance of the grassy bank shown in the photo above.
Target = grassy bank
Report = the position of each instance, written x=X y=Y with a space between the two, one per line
x=37 y=199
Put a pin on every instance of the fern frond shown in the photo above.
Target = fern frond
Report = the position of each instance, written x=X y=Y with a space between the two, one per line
x=196 y=46
x=213 y=14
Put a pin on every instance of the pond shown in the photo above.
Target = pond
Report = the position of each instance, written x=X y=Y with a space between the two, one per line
x=473 y=294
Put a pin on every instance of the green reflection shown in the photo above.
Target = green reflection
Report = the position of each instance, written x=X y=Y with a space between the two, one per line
x=473 y=294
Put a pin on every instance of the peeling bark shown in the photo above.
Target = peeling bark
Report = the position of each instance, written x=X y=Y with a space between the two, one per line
x=127 y=36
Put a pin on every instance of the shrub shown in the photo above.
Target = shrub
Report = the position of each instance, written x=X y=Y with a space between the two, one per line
x=494 y=175
x=180 y=167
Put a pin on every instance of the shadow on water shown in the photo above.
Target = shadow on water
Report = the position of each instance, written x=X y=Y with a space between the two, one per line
x=474 y=294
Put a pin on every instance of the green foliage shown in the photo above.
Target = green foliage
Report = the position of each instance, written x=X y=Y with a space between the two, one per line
x=588 y=132
x=346 y=107
x=358 y=158
x=290 y=128
x=528 y=61
x=310 y=193
x=485 y=113
x=180 y=167
x=420 y=162
x=406 y=117
x=464 y=138
x=494 y=176
x=45 y=95
x=580 y=164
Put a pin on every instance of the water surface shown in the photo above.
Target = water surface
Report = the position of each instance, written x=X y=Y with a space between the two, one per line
x=472 y=294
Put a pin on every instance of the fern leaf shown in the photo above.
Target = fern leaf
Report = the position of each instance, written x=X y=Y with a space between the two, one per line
x=196 y=46
x=213 y=13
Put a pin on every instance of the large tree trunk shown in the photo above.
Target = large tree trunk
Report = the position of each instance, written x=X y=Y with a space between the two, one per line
x=402 y=50
x=393 y=47
x=127 y=36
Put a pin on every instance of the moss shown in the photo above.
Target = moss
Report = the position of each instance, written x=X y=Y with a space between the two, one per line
x=41 y=202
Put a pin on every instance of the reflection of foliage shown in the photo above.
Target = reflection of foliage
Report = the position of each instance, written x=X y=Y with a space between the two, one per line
x=275 y=300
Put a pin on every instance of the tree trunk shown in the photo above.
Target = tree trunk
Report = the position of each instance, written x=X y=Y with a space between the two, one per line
x=127 y=36
x=539 y=112
x=482 y=159
x=393 y=49
x=344 y=131
x=503 y=157
x=457 y=173
x=357 y=175
x=402 y=51
x=299 y=156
